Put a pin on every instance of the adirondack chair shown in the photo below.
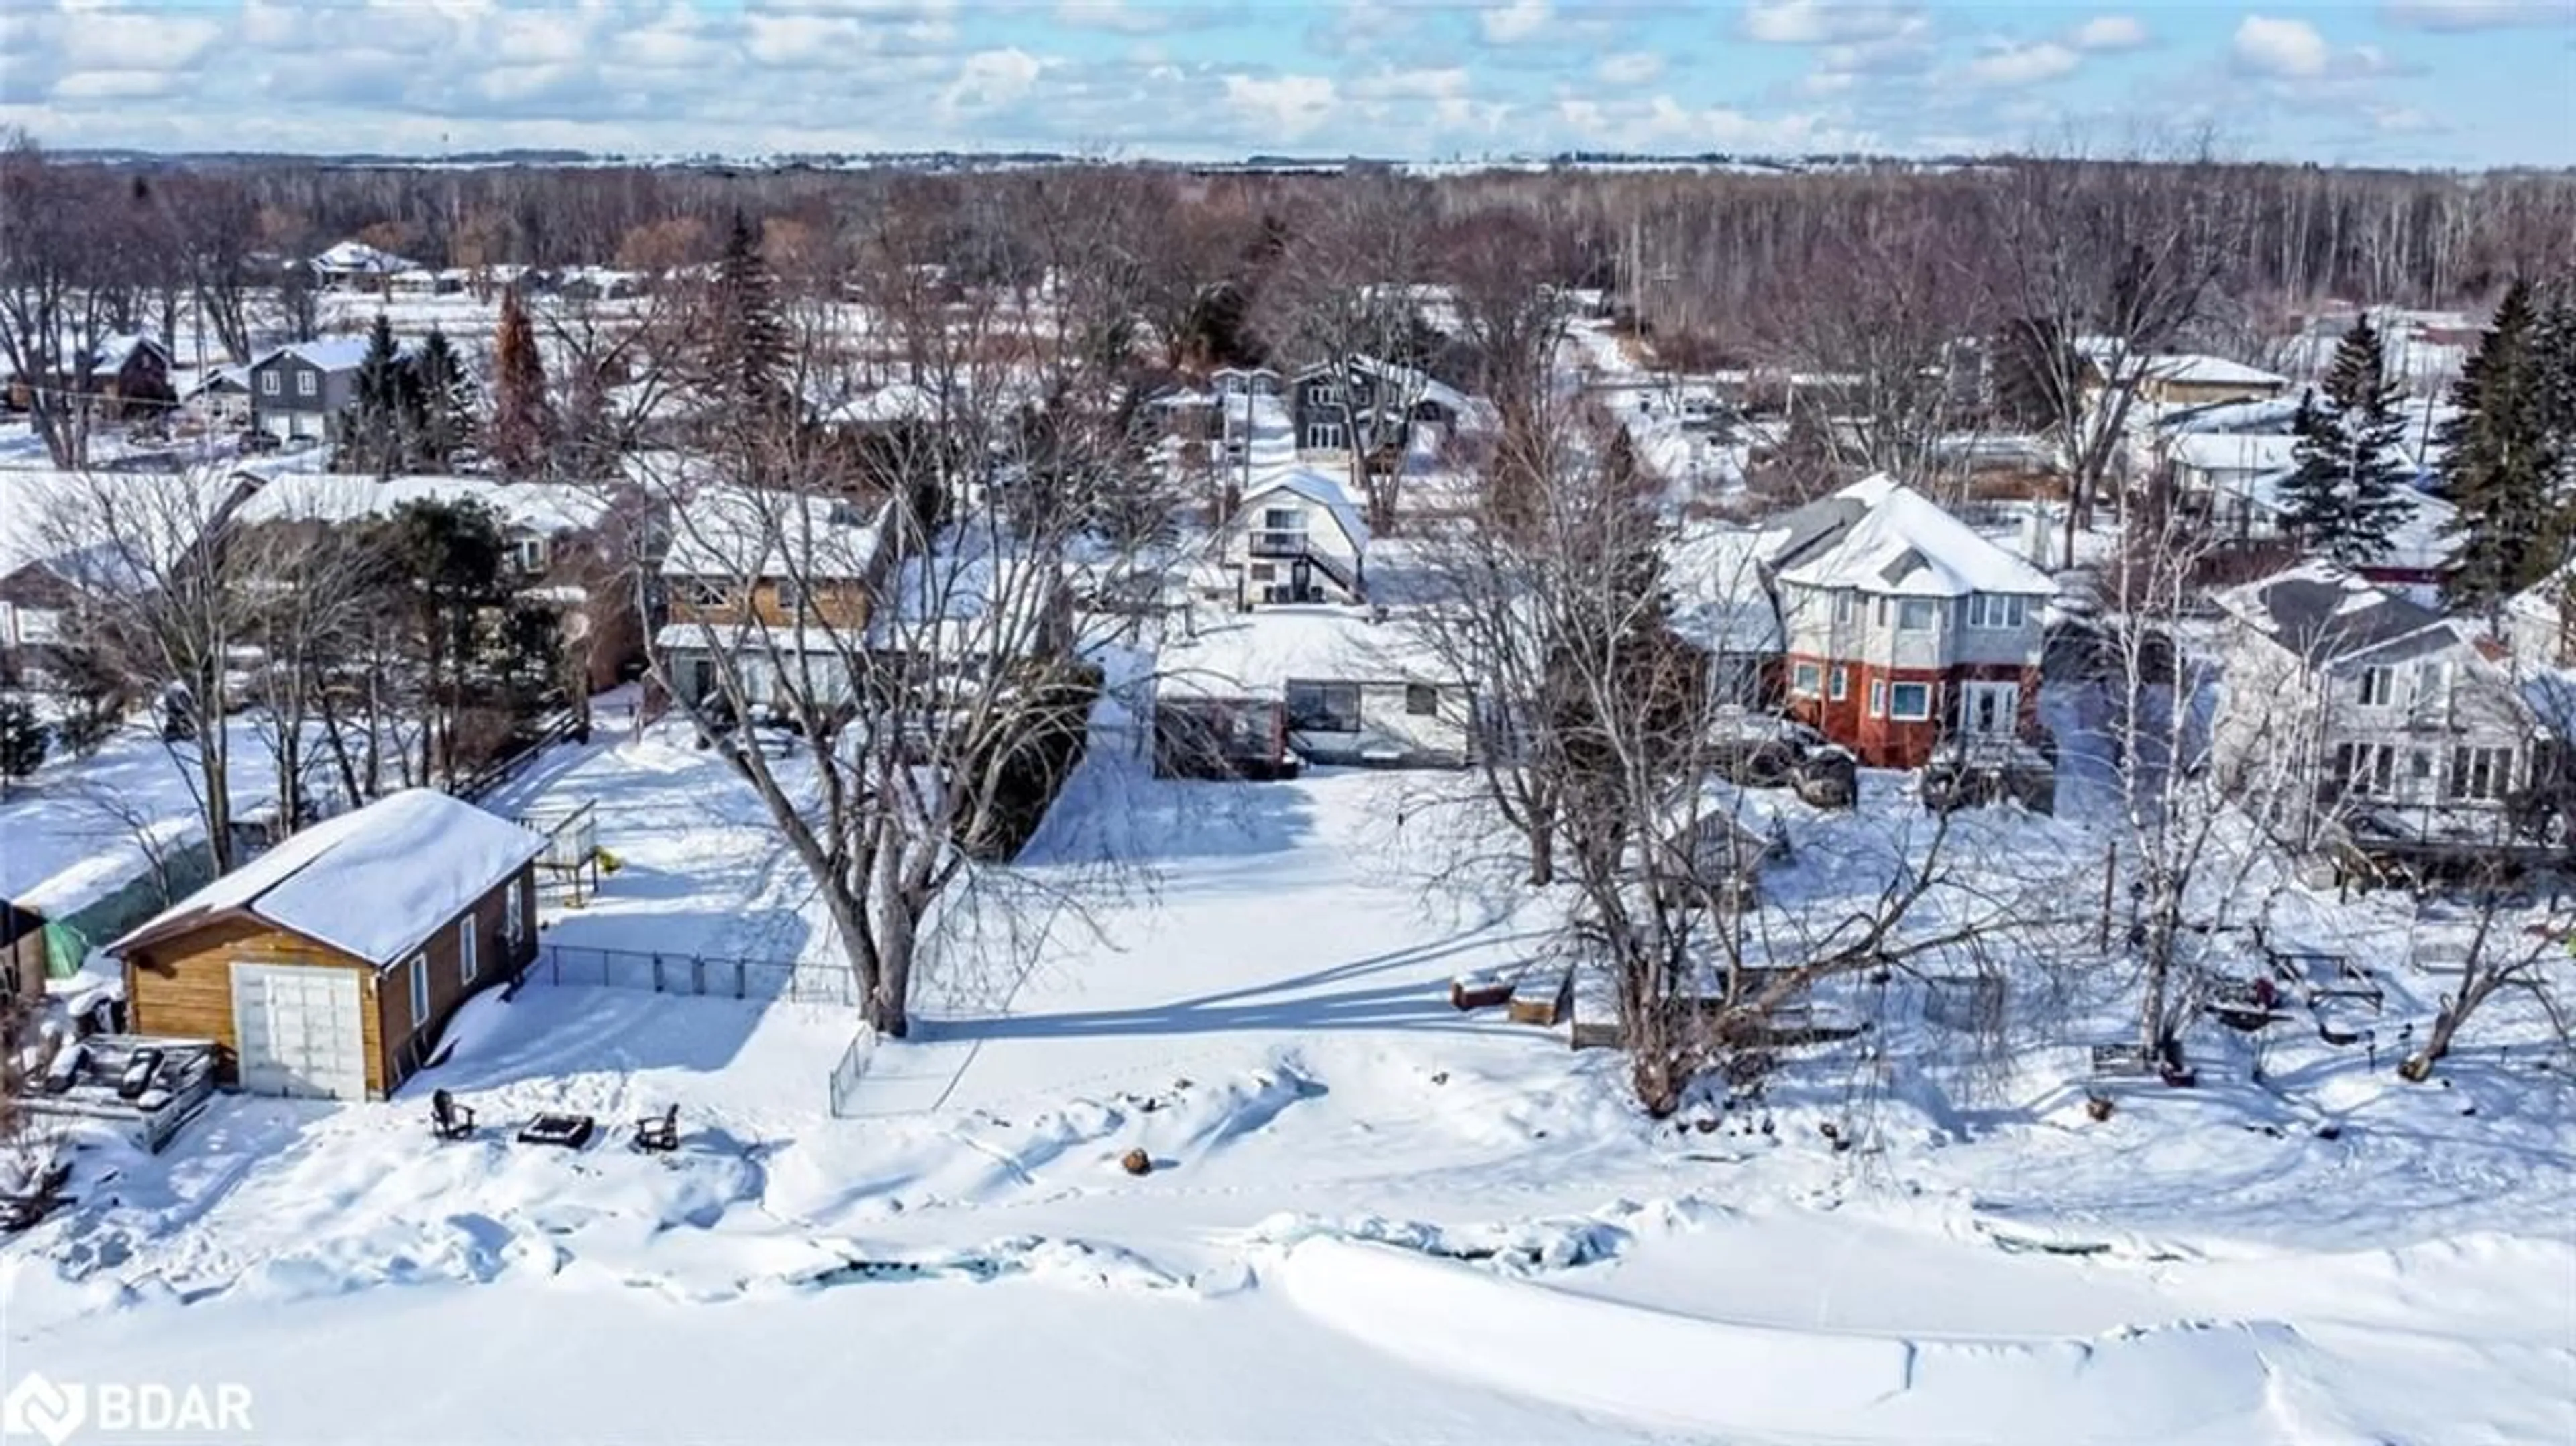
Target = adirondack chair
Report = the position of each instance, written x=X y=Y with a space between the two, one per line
x=447 y=1119
x=658 y=1133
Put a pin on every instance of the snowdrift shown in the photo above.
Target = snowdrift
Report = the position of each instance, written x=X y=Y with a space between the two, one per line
x=1685 y=1373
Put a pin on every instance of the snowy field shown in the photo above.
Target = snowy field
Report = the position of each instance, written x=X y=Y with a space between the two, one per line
x=1371 y=1217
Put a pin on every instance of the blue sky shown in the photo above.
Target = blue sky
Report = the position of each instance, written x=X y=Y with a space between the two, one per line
x=2409 y=82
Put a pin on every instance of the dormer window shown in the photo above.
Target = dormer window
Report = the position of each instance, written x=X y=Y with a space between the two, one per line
x=1917 y=614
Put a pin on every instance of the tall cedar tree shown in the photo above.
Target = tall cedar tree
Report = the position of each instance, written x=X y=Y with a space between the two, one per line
x=377 y=438
x=442 y=404
x=2346 y=496
x=521 y=428
x=2498 y=468
x=746 y=336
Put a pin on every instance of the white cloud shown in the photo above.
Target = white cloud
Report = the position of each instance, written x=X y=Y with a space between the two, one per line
x=1292 y=106
x=2016 y=64
x=2477 y=14
x=2108 y=32
x=2287 y=49
x=989 y=80
x=1511 y=24
x=1665 y=124
x=131 y=40
x=1819 y=22
x=1635 y=67
x=1117 y=15
x=1411 y=84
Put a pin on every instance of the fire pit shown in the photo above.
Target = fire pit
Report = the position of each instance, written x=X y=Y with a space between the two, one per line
x=570 y=1131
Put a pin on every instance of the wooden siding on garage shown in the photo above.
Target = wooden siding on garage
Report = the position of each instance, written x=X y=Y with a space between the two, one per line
x=182 y=985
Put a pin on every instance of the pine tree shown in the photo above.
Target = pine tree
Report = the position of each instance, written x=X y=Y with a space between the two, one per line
x=746 y=337
x=2347 y=494
x=443 y=404
x=2497 y=465
x=2553 y=346
x=376 y=436
x=521 y=428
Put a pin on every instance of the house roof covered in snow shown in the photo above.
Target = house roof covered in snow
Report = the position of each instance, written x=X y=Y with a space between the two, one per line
x=1312 y=486
x=739 y=533
x=2234 y=452
x=2185 y=368
x=357 y=258
x=549 y=507
x=2324 y=614
x=374 y=883
x=101 y=526
x=1880 y=536
x=1254 y=655
x=1720 y=601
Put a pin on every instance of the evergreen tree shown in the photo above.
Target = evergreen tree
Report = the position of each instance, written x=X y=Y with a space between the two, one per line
x=522 y=430
x=746 y=337
x=2553 y=347
x=2347 y=494
x=2497 y=466
x=442 y=421
x=23 y=740
x=376 y=437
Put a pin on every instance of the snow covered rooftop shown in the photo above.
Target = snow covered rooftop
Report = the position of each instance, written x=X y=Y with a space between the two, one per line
x=1880 y=536
x=739 y=533
x=2322 y=612
x=1315 y=487
x=1719 y=600
x=374 y=882
x=549 y=507
x=1251 y=655
x=357 y=258
x=2234 y=452
x=330 y=353
x=133 y=522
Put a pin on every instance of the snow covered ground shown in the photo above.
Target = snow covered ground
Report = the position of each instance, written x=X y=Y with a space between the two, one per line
x=1371 y=1217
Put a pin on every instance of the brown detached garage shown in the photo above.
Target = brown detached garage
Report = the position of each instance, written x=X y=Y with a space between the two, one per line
x=327 y=966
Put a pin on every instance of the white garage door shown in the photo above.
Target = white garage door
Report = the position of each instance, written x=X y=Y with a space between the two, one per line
x=299 y=1032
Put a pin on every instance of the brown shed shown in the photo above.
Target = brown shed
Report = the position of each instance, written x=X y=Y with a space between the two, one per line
x=327 y=966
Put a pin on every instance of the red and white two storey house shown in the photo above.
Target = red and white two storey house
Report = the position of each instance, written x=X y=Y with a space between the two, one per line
x=1901 y=626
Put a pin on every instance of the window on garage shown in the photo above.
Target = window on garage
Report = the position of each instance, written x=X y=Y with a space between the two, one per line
x=467 y=966
x=419 y=971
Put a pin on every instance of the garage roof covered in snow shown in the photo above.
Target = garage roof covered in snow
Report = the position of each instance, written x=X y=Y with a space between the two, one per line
x=374 y=883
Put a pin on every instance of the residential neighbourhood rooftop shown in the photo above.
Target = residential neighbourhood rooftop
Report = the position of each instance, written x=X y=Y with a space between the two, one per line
x=1880 y=536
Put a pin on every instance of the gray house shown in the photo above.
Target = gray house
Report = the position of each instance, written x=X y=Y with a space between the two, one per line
x=297 y=392
x=2351 y=711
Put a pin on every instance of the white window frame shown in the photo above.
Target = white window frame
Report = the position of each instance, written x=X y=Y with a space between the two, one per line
x=514 y=915
x=1806 y=680
x=307 y=385
x=1896 y=702
x=2378 y=687
x=469 y=962
x=268 y=386
x=1930 y=609
x=1846 y=606
x=705 y=593
x=1996 y=611
x=419 y=971
x=1878 y=697
x=1838 y=682
x=1327 y=437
